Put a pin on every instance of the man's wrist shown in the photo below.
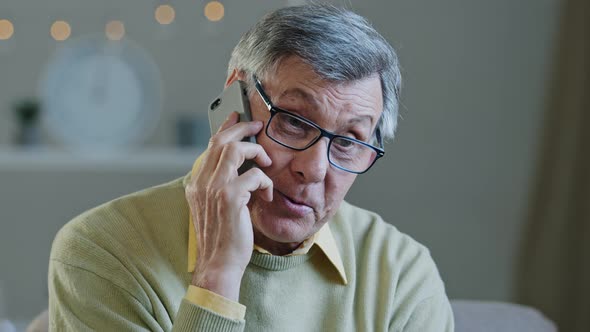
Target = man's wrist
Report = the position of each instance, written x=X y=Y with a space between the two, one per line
x=225 y=283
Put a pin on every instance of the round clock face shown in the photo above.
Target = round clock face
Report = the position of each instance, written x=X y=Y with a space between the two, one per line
x=101 y=95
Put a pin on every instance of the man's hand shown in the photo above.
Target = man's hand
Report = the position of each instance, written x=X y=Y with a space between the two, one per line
x=218 y=198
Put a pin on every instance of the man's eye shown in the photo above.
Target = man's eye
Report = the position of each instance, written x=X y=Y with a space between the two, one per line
x=343 y=143
x=294 y=122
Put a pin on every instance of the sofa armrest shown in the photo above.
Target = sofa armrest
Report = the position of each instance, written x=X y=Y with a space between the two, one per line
x=484 y=316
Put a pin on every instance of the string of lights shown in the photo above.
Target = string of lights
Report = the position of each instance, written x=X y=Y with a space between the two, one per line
x=164 y=14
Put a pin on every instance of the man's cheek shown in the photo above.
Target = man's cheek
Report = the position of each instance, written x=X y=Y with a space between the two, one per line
x=340 y=188
x=335 y=197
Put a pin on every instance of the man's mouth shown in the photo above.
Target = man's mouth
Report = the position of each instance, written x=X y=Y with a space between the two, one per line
x=293 y=206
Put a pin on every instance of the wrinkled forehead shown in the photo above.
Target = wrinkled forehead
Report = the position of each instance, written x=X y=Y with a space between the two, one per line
x=300 y=90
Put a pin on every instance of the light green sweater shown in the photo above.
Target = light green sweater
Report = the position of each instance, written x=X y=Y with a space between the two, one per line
x=123 y=267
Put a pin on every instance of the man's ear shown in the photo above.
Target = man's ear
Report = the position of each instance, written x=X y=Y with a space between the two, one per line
x=235 y=75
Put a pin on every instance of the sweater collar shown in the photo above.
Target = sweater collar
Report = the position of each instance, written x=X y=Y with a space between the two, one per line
x=324 y=239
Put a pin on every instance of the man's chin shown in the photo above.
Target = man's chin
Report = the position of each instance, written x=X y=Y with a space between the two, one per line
x=281 y=231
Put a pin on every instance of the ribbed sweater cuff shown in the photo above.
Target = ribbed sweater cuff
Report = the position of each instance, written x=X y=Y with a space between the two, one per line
x=191 y=317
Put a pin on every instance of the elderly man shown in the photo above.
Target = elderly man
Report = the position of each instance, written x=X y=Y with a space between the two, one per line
x=274 y=248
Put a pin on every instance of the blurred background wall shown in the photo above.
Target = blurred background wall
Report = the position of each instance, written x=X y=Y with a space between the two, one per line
x=457 y=178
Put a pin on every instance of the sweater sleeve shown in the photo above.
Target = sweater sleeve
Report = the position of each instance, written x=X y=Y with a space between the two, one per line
x=432 y=314
x=80 y=300
x=216 y=303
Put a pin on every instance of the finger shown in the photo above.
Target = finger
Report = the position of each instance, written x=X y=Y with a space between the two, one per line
x=235 y=133
x=235 y=153
x=255 y=180
x=231 y=120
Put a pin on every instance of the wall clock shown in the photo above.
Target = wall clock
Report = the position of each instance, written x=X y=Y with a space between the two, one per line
x=101 y=95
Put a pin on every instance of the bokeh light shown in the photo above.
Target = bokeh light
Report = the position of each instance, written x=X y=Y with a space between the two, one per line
x=214 y=11
x=115 y=30
x=6 y=29
x=165 y=14
x=60 y=30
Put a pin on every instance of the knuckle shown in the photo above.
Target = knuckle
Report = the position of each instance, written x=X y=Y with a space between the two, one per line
x=257 y=172
x=214 y=141
x=232 y=147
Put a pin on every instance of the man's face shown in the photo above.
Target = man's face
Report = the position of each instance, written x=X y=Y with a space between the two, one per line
x=307 y=189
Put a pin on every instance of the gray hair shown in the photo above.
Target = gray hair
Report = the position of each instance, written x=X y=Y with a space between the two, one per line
x=339 y=45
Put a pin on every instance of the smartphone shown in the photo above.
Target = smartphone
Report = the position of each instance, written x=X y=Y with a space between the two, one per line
x=234 y=98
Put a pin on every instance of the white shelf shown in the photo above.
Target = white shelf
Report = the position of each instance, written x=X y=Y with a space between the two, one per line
x=52 y=159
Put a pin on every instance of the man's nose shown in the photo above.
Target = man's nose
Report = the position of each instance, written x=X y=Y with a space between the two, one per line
x=312 y=164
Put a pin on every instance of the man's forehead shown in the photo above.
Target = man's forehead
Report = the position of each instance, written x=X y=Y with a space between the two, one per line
x=294 y=84
x=363 y=101
x=298 y=93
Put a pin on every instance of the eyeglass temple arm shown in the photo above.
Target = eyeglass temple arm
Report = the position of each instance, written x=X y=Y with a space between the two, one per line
x=379 y=138
x=260 y=91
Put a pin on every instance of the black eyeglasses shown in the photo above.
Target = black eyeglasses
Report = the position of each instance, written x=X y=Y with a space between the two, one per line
x=298 y=133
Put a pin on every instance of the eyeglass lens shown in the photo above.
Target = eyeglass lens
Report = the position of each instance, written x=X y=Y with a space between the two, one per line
x=298 y=134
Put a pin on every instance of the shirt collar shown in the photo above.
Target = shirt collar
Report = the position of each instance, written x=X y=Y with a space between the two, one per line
x=323 y=239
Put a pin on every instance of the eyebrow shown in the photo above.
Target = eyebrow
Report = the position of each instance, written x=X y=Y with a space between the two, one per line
x=361 y=118
x=297 y=92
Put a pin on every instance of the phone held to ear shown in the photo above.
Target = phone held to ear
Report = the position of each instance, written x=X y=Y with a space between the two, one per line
x=233 y=99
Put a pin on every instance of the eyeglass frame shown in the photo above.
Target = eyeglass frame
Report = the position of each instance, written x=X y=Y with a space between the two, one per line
x=274 y=110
